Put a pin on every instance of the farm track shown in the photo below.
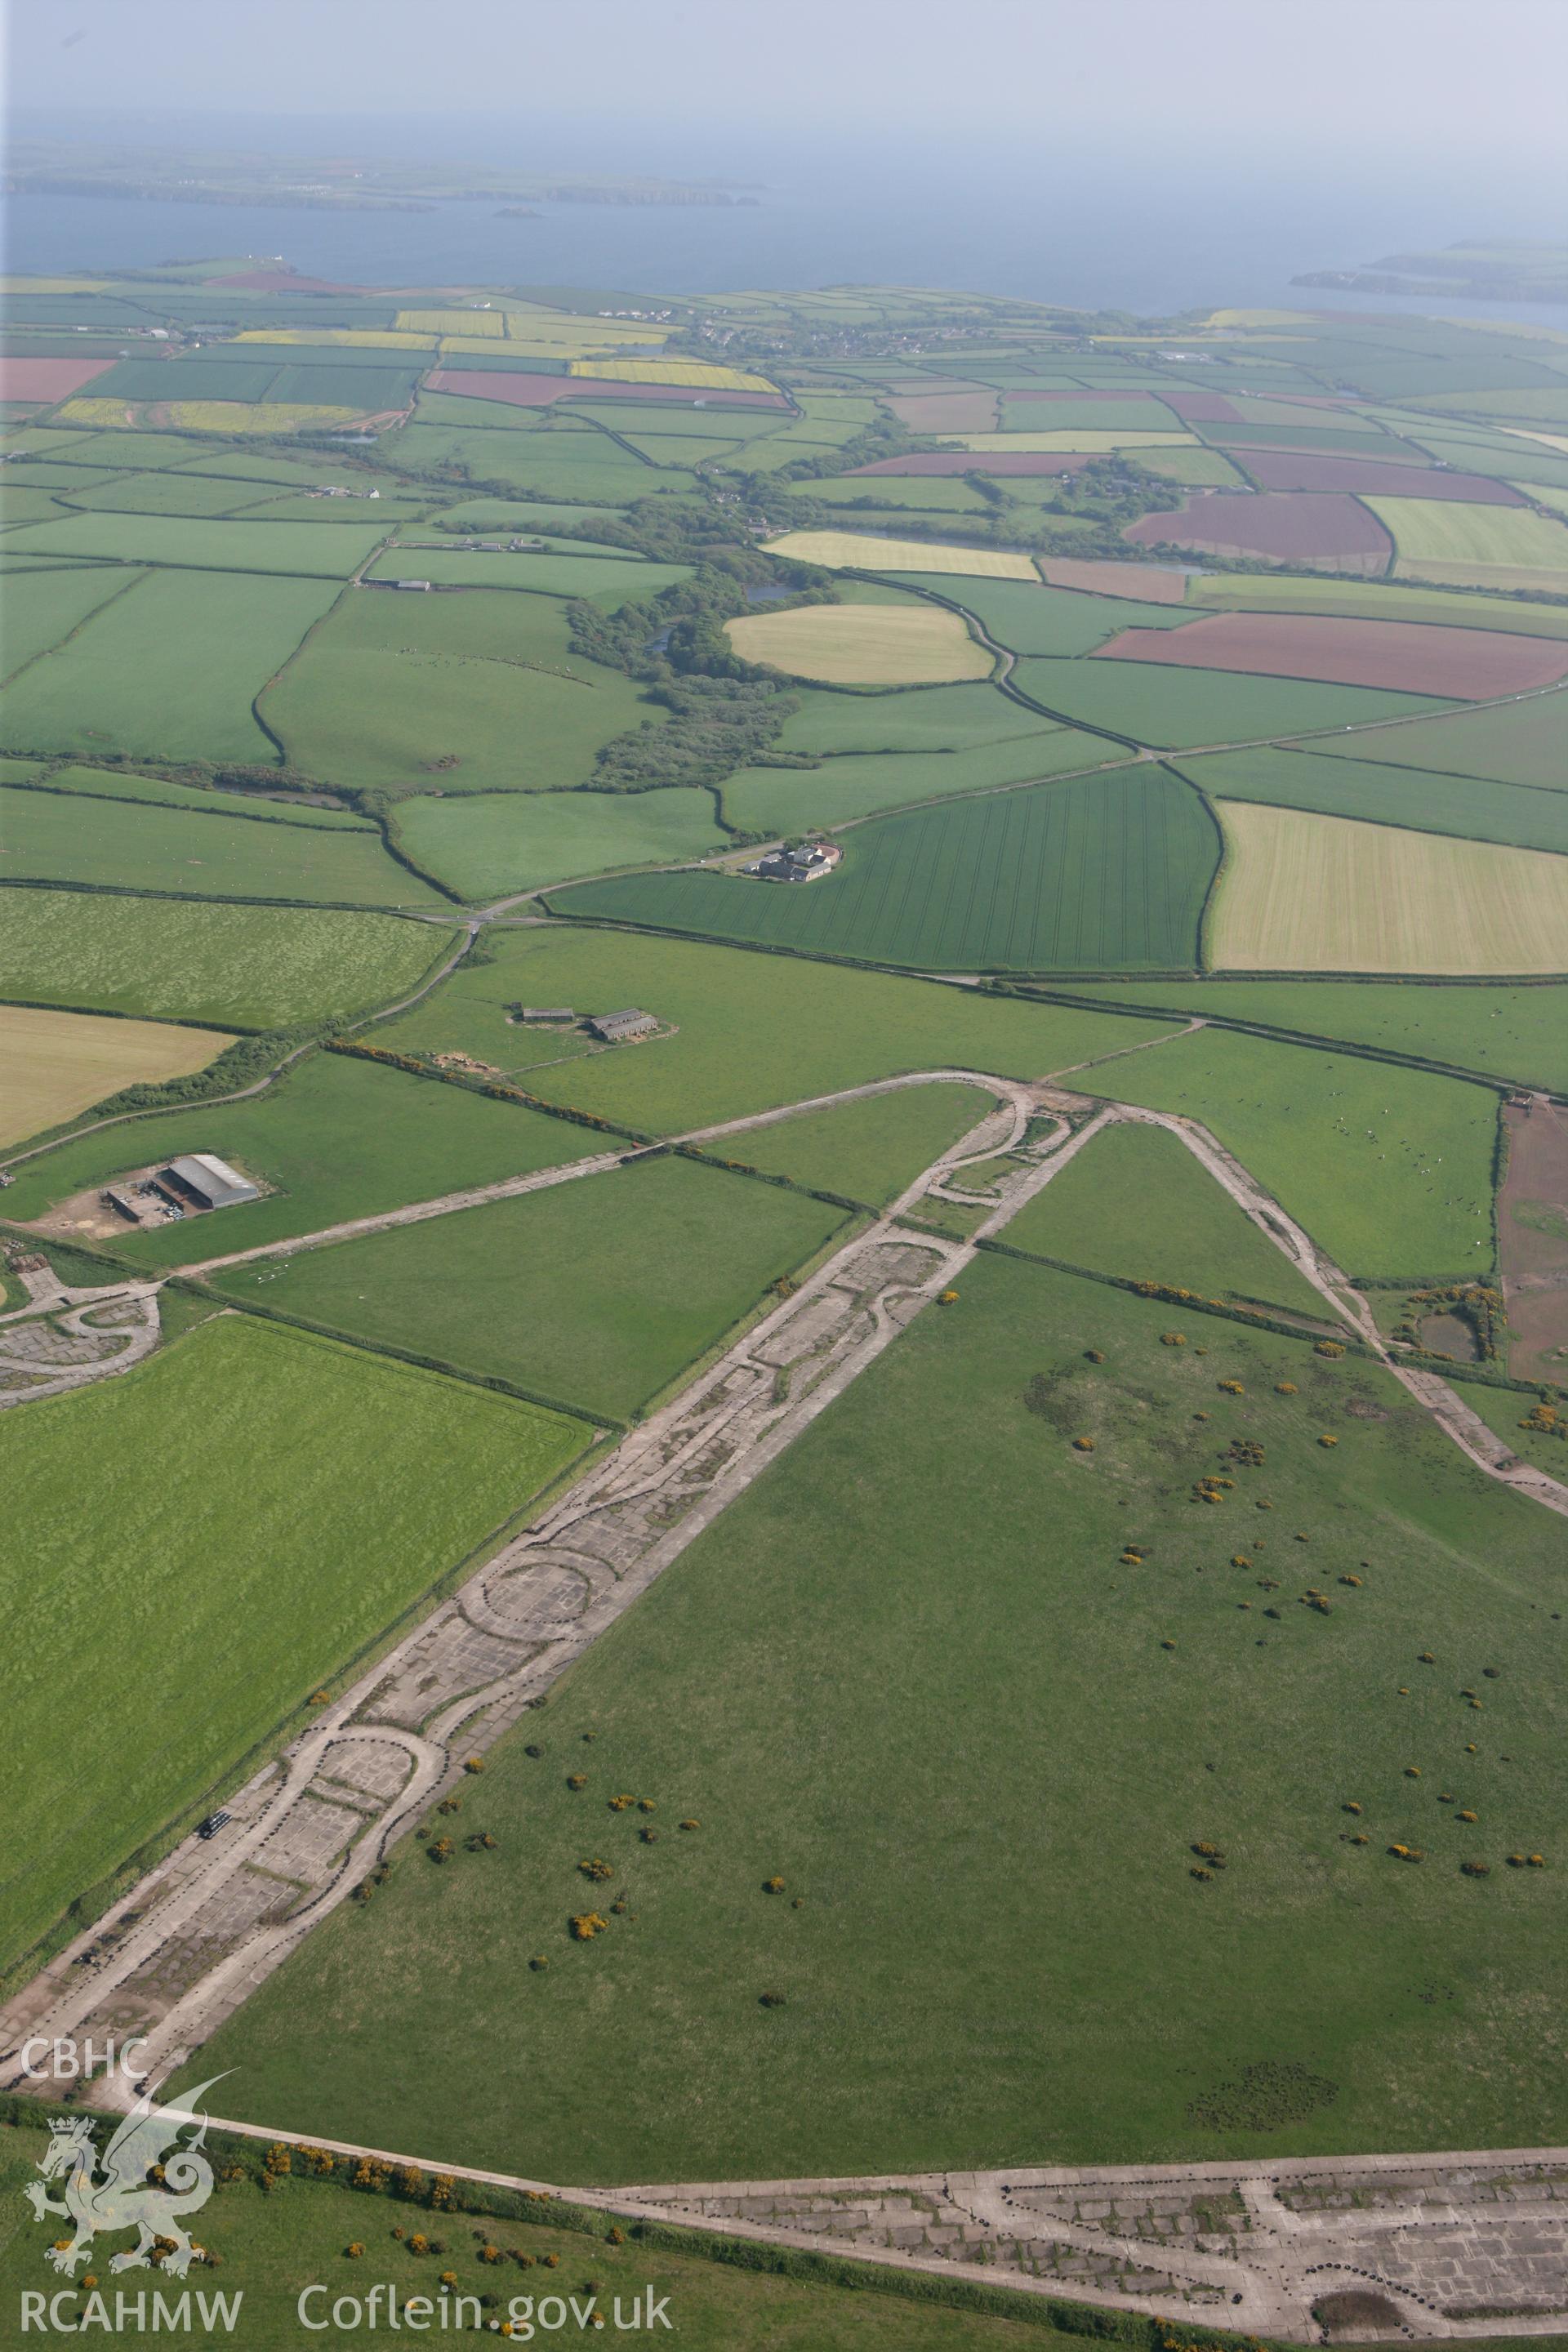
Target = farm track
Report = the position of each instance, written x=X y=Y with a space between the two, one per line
x=174 y=1956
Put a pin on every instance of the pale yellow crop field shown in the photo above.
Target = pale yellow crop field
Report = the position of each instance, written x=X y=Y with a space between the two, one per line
x=490 y=325
x=55 y=1064
x=1448 y=539
x=1300 y=892
x=378 y=338
x=862 y=645
x=842 y=550
x=1550 y=440
x=54 y=284
x=698 y=375
x=250 y=416
x=1095 y=442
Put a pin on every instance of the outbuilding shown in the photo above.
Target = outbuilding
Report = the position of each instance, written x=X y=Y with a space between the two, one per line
x=202 y=1181
x=615 y=1027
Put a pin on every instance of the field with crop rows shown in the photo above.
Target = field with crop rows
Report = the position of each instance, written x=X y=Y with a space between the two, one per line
x=1107 y=873
x=1302 y=892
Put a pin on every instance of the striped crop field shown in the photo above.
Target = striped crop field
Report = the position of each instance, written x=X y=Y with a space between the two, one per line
x=699 y=374
x=862 y=645
x=1106 y=874
x=845 y=550
x=1303 y=892
x=1472 y=545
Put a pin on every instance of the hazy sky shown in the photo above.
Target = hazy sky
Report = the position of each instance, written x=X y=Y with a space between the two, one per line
x=1469 y=79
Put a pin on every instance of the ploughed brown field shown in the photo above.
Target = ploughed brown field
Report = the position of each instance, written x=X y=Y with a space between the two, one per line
x=1533 y=1240
x=521 y=390
x=1299 y=469
x=1295 y=527
x=964 y=461
x=1406 y=656
x=47 y=378
x=1151 y=583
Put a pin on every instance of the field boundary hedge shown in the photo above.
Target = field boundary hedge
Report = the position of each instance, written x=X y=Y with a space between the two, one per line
x=194 y=1285
x=496 y=1092
x=457 y=2192
x=1192 y=1301
x=1047 y=992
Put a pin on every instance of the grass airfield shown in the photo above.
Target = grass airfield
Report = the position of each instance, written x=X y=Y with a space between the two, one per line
x=972 y=1667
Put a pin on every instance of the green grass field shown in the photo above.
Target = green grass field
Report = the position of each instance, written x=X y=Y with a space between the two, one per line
x=1110 y=871
x=1176 y=708
x=1516 y=1032
x=1049 y=620
x=262 y=1504
x=204 y=546
x=922 y=718
x=599 y=1293
x=570 y=466
x=596 y=575
x=865 y=784
x=60 y=837
x=753 y=1031
x=1389 y=1169
x=1377 y=600
x=1136 y=1203
x=113 y=686
x=463 y=694
x=54 y=604
x=483 y=845
x=868 y=1151
x=273 y=2246
x=909 y=1673
x=239 y=967
x=334 y=1138
x=1516 y=742
x=156 y=791
x=1475 y=810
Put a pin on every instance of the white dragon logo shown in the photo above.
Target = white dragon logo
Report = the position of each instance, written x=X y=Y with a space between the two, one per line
x=141 y=2186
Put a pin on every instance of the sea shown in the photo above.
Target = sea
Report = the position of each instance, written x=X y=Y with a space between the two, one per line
x=1155 y=234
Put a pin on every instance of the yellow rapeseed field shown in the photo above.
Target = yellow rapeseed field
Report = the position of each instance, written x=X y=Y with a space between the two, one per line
x=1302 y=892
x=696 y=374
x=92 y=411
x=862 y=645
x=841 y=550
x=54 y=1065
